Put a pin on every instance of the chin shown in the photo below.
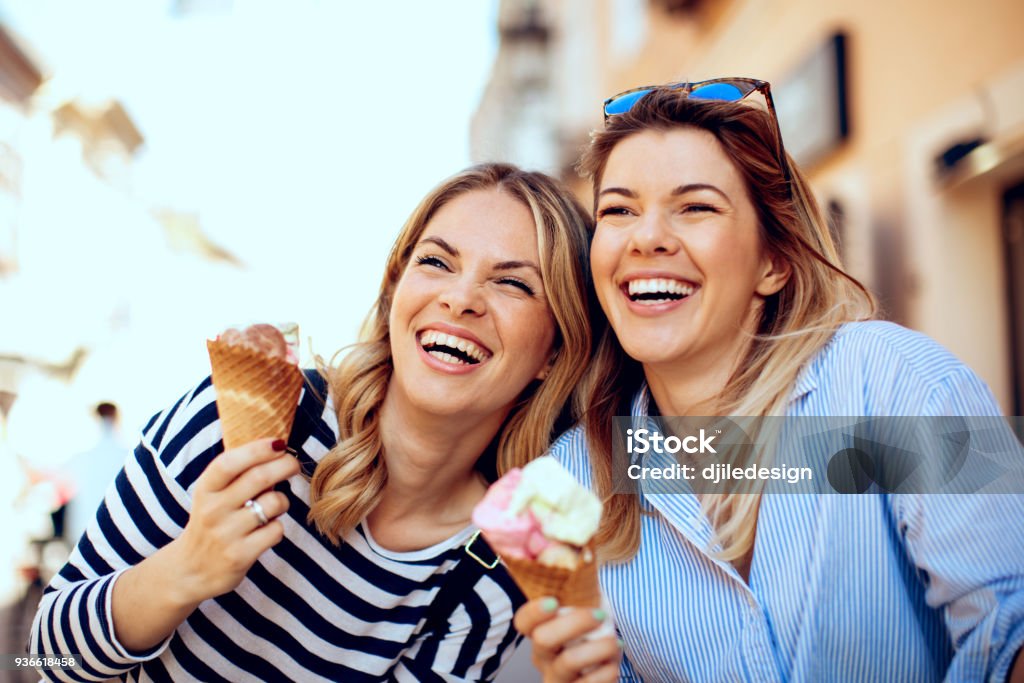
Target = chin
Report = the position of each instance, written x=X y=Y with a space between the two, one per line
x=654 y=348
x=427 y=402
x=647 y=352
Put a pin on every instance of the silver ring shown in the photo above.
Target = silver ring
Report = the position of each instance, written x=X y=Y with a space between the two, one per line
x=257 y=509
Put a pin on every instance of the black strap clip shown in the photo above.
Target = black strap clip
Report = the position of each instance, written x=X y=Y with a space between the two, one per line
x=483 y=549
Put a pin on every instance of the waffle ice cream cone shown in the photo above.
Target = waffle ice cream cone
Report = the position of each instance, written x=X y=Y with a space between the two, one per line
x=541 y=522
x=257 y=392
x=571 y=587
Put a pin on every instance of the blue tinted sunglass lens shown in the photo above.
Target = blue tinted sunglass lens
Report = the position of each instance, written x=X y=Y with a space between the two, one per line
x=623 y=103
x=718 y=91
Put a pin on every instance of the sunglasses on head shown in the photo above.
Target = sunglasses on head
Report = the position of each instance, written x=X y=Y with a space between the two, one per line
x=720 y=89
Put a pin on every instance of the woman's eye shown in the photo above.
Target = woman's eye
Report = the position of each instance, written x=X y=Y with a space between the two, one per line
x=612 y=211
x=516 y=283
x=700 y=208
x=431 y=261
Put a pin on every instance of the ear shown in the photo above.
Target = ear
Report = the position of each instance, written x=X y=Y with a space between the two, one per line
x=775 y=274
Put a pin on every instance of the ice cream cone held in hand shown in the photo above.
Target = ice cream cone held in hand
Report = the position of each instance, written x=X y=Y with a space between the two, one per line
x=542 y=523
x=258 y=380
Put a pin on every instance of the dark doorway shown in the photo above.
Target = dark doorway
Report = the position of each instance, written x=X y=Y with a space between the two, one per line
x=1013 y=240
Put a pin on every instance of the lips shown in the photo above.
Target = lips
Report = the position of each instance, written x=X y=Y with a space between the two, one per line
x=453 y=348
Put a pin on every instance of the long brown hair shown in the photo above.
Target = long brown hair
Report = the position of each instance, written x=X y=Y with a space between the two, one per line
x=795 y=323
x=348 y=481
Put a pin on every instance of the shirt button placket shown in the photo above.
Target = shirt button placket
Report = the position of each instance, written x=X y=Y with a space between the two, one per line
x=761 y=663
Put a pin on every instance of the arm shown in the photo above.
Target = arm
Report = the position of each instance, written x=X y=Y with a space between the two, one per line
x=114 y=601
x=221 y=541
x=969 y=549
x=74 y=614
x=971 y=559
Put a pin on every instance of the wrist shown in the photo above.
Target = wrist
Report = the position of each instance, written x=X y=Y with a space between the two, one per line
x=182 y=585
x=148 y=601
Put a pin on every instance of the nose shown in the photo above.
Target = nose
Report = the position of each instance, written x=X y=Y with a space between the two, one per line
x=463 y=296
x=652 y=235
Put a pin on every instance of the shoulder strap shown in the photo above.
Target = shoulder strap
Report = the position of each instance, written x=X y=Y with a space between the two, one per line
x=316 y=385
x=308 y=414
x=462 y=577
x=309 y=421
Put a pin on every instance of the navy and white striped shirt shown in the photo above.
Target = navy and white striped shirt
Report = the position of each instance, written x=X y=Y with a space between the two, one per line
x=871 y=587
x=306 y=610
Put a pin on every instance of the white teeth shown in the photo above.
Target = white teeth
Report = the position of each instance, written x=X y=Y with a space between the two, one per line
x=447 y=358
x=659 y=286
x=435 y=338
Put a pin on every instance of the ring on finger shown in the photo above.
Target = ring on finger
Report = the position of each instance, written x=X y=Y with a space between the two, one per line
x=257 y=509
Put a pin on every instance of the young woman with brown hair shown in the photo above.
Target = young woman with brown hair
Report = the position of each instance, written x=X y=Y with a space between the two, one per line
x=726 y=297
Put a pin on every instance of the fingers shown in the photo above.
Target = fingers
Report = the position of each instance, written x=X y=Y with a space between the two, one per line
x=272 y=503
x=588 y=660
x=606 y=673
x=264 y=537
x=570 y=624
x=534 y=613
x=558 y=650
x=226 y=467
x=247 y=549
x=260 y=478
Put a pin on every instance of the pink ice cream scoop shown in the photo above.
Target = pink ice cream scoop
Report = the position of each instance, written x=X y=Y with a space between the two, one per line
x=509 y=534
x=534 y=509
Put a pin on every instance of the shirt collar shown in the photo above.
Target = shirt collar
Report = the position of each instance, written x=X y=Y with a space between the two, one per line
x=641 y=404
x=806 y=382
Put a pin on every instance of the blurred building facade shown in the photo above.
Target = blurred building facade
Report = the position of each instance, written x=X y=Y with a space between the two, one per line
x=64 y=162
x=88 y=269
x=908 y=118
x=19 y=78
x=88 y=266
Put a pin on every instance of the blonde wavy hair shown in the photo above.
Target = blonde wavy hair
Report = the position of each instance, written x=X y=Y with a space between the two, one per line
x=348 y=481
x=795 y=323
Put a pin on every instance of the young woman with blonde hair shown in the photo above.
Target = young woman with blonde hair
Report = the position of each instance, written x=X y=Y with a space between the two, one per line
x=726 y=297
x=369 y=570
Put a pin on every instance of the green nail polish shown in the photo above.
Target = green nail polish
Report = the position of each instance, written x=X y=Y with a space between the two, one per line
x=620 y=642
x=600 y=614
x=549 y=604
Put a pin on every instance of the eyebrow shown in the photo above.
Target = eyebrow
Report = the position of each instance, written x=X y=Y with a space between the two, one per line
x=681 y=189
x=503 y=265
x=617 y=190
x=513 y=265
x=693 y=187
x=452 y=251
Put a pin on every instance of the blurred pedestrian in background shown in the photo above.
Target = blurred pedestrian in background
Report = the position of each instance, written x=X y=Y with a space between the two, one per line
x=90 y=472
x=22 y=536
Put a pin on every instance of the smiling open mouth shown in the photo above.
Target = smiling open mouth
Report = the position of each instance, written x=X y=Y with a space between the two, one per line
x=451 y=349
x=657 y=290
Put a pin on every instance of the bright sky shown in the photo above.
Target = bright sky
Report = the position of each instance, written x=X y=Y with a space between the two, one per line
x=303 y=132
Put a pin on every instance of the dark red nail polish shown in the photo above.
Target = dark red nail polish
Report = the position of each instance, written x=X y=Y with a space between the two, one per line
x=279 y=445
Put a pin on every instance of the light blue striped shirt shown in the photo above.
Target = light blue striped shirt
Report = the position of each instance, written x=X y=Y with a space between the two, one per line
x=870 y=587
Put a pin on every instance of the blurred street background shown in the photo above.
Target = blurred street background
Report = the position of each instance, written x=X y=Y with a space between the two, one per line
x=172 y=167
